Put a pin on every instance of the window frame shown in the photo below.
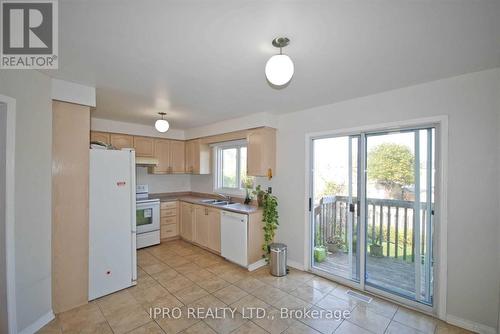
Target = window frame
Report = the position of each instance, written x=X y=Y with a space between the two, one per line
x=218 y=167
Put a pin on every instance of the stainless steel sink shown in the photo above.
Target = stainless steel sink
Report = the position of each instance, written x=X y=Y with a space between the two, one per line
x=215 y=202
x=222 y=203
x=209 y=201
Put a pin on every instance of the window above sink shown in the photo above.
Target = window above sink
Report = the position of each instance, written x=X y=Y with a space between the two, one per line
x=230 y=168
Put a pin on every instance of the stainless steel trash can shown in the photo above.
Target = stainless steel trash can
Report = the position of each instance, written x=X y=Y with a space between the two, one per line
x=277 y=259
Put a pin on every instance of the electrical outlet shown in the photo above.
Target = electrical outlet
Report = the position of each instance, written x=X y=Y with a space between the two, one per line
x=270 y=190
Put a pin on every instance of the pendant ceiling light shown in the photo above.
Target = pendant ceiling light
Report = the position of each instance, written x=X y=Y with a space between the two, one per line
x=162 y=124
x=279 y=68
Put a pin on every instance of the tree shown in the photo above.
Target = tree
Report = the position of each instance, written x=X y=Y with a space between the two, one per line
x=391 y=165
x=332 y=188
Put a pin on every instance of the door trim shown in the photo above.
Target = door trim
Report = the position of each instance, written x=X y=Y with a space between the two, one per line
x=10 y=211
x=441 y=195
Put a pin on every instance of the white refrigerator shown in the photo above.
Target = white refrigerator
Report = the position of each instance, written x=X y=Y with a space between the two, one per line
x=112 y=226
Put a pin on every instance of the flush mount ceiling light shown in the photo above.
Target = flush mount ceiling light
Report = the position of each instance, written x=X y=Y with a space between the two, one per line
x=162 y=125
x=279 y=68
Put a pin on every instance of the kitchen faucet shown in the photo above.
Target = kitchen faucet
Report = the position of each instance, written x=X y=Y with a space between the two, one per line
x=226 y=197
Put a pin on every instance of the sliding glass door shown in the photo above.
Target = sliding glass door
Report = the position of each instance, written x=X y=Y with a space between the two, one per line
x=335 y=201
x=396 y=190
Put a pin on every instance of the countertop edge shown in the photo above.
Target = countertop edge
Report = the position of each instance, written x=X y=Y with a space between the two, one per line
x=195 y=199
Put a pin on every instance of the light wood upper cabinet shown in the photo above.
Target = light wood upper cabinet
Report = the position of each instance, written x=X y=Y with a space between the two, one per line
x=121 y=141
x=201 y=225
x=214 y=230
x=187 y=221
x=170 y=155
x=261 y=152
x=144 y=146
x=194 y=156
x=162 y=153
x=197 y=157
x=100 y=136
x=189 y=156
x=177 y=156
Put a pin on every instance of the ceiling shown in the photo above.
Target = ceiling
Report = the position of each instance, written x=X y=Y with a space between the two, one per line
x=203 y=61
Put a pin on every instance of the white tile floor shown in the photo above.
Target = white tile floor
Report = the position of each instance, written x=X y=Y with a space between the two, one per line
x=178 y=274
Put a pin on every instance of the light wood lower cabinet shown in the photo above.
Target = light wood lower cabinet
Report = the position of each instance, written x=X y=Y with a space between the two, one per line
x=169 y=227
x=187 y=221
x=201 y=225
x=214 y=229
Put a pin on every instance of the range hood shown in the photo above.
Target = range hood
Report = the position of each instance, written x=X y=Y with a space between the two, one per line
x=146 y=162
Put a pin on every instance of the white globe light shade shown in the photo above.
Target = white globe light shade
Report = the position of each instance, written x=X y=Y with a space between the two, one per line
x=162 y=125
x=279 y=69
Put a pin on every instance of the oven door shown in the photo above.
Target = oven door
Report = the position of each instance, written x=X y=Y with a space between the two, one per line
x=147 y=217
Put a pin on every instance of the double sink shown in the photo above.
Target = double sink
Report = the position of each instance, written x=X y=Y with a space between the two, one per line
x=228 y=205
x=216 y=202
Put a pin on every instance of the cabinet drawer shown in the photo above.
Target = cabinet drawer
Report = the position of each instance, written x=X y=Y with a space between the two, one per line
x=168 y=212
x=168 y=205
x=168 y=220
x=169 y=231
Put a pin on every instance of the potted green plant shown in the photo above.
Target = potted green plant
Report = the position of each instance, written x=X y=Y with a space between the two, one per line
x=376 y=249
x=320 y=251
x=259 y=193
x=247 y=183
x=335 y=244
x=270 y=220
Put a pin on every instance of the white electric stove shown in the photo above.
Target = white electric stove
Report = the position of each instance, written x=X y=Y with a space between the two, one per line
x=147 y=217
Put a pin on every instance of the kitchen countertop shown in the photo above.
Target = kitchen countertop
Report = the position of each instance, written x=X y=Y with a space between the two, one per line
x=196 y=198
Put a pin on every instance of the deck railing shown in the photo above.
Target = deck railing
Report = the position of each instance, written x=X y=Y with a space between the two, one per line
x=390 y=223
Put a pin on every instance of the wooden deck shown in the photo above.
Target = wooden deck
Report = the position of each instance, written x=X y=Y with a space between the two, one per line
x=385 y=272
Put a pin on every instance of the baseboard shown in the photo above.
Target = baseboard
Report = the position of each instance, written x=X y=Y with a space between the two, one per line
x=470 y=325
x=295 y=264
x=39 y=323
x=257 y=265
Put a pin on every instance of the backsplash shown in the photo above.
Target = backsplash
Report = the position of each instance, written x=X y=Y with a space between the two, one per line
x=205 y=183
x=167 y=183
x=163 y=183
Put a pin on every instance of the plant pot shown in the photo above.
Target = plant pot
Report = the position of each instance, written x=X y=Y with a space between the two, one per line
x=376 y=250
x=260 y=200
x=332 y=248
x=320 y=253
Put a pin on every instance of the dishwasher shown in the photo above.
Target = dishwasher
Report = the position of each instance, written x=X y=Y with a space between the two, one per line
x=234 y=236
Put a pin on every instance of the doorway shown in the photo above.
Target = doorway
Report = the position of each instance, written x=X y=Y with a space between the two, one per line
x=8 y=322
x=372 y=203
x=3 y=221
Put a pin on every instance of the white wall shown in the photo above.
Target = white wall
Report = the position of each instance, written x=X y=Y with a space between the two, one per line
x=242 y=123
x=33 y=155
x=73 y=93
x=472 y=105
